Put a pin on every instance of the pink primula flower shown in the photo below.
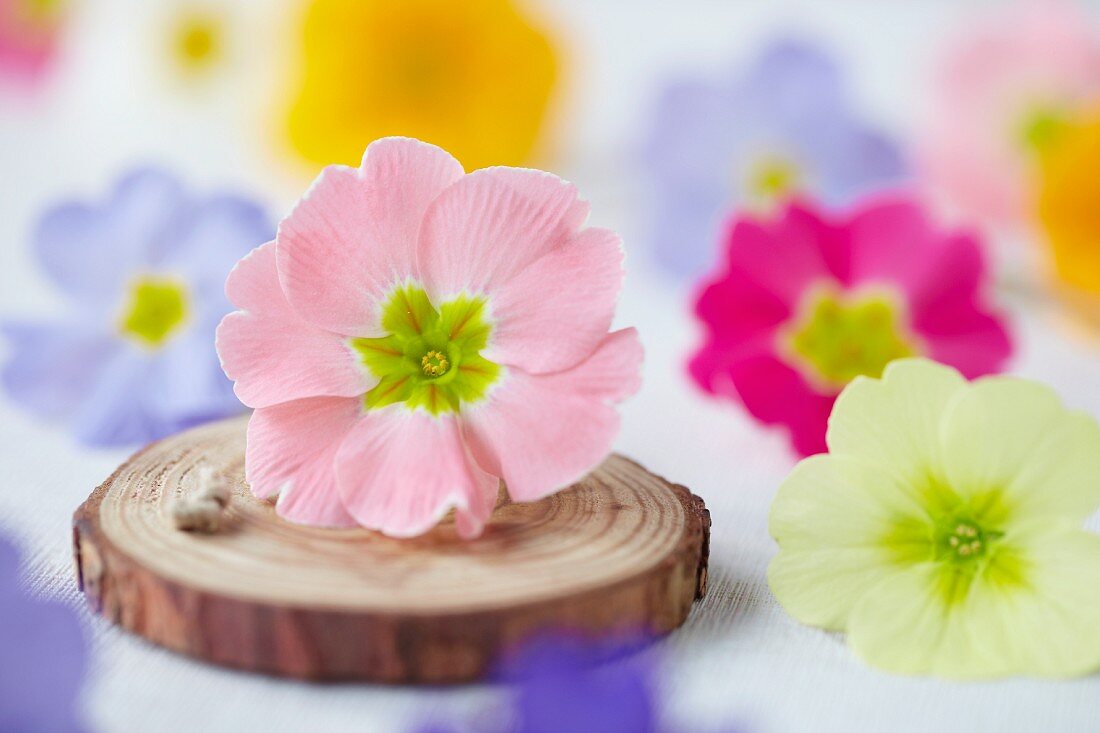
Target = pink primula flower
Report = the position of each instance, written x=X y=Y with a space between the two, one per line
x=415 y=334
x=804 y=304
x=29 y=33
x=1002 y=92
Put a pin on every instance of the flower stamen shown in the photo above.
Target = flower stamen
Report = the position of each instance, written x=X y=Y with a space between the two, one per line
x=434 y=364
x=966 y=540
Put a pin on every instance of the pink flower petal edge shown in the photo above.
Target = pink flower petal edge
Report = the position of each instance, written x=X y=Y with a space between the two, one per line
x=276 y=355
x=571 y=410
x=410 y=217
x=885 y=243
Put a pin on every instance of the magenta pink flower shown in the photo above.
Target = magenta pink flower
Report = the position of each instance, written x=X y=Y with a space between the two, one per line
x=1002 y=91
x=415 y=334
x=804 y=304
x=29 y=32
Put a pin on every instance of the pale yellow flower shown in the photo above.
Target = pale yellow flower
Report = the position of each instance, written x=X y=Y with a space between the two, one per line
x=942 y=531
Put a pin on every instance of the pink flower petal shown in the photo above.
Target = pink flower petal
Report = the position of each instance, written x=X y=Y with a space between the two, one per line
x=887 y=242
x=939 y=276
x=541 y=433
x=290 y=450
x=959 y=332
x=1031 y=57
x=776 y=394
x=741 y=318
x=541 y=326
x=400 y=471
x=270 y=352
x=353 y=236
x=786 y=256
x=891 y=239
x=490 y=225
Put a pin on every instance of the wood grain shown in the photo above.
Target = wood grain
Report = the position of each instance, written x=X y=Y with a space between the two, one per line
x=621 y=552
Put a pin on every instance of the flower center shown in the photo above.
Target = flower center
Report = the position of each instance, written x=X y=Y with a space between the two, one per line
x=155 y=310
x=38 y=11
x=839 y=337
x=431 y=358
x=961 y=536
x=434 y=364
x=197 y=42
x=964 y=541
x=1040 y=126
x=772 y=177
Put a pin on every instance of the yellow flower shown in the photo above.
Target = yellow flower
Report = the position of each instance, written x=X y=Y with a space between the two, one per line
x=1069 y=202
x=472 y=76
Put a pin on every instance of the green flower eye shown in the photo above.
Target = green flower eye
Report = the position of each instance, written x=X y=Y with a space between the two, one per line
x=431 y=358
x=838 y=339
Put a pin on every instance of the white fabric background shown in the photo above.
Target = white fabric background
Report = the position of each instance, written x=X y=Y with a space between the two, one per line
x=739 y=658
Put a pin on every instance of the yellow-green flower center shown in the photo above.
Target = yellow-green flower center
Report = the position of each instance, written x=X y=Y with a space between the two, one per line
x=431 y=357
x=1041 y=126
x=963 y=537
x=155 y=309
x=434 y=364
x=772 y=177
x=963 y=542
x=838 y=338
x=197 y=41
x=39 y=11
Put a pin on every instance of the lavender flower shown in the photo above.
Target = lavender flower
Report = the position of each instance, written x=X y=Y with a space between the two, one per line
x=562 y=685
x=43 y=657
x=144 y=273
x=782 y=127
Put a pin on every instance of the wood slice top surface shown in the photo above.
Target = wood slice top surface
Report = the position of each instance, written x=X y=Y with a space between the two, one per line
x=622 y=551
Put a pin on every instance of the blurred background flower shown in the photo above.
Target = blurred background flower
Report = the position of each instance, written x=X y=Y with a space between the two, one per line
x=1069 y=202
x=474 y=77
x=144 y=272
x=1068 y=206
x=785 y=125
x=43 y=660
x=196 y=39
x=29 y=35
x=804 y=302
x=563 y=684
x=1002 y=93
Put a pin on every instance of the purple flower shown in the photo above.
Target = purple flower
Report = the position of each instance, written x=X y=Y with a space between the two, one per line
x=562 y=688
x=561 y=684
x=144 y=273
x=42 y=662
x=782 y=127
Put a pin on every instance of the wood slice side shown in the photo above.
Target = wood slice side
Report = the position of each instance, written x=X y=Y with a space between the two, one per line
x=619 y=553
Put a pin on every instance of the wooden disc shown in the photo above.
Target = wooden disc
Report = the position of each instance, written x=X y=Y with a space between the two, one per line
x=620 y=552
